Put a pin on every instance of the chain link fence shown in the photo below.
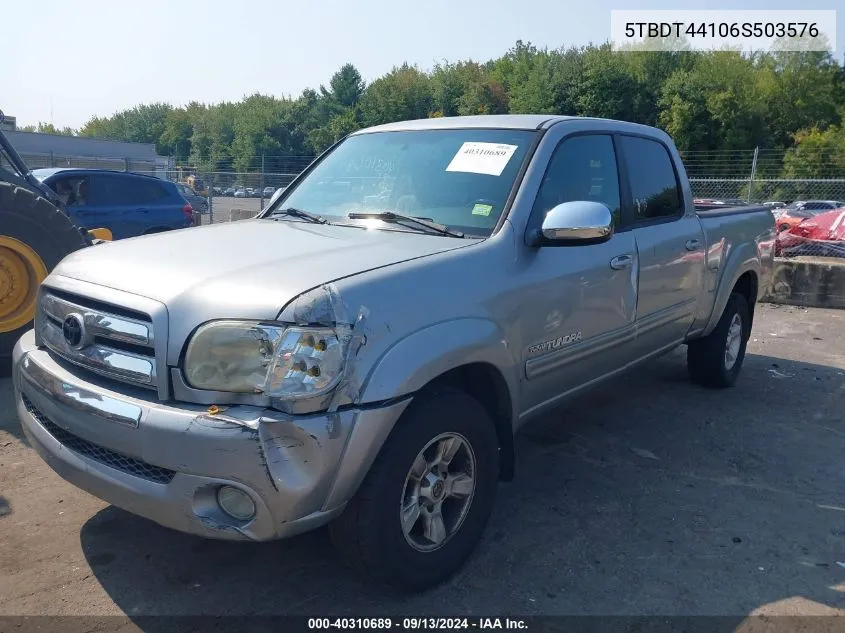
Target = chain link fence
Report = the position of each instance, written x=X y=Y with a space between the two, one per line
x=809 y=245
x=801 y=206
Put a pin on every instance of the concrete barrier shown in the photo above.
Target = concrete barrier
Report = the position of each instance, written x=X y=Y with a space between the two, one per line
x=813 y=282
x=242 y=214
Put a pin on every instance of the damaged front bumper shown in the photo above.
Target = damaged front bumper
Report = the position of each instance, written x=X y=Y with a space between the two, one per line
x=166 y=462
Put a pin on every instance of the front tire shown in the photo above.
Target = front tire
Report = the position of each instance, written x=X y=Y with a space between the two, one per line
x=424 y=504
x=716 y=359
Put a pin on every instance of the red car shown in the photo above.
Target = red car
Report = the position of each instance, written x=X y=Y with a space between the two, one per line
x=800 y=210
x=822 y=235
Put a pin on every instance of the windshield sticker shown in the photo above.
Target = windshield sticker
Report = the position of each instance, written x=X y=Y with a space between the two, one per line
x=482 y=158
x=482 y=209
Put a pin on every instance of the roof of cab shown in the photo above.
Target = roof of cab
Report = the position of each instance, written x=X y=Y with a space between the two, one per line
x=496 y=121
x=499 y=121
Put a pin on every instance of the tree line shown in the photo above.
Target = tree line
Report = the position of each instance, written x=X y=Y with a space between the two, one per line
x=723 y=100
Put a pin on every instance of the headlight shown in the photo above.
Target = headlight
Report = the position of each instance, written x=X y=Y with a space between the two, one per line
x=247 y=357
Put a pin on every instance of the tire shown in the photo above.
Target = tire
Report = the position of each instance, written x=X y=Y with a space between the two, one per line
x=369 y=533
x=707 y=359
x=46 y=230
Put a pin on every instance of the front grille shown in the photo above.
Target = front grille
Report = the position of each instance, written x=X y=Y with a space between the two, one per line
x=106 y=456
x=108 y=340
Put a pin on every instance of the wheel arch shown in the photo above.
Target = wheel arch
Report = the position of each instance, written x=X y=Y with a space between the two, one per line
x=469 y=354
x=741 y=273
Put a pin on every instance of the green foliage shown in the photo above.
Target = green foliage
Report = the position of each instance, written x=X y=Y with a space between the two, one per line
x=817 y=154
x=403 y=93
x=48 y=128
x=707 y=101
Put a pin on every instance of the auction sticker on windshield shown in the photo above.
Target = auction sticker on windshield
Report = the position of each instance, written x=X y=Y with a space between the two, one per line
x=482 y=158
x=482 y=209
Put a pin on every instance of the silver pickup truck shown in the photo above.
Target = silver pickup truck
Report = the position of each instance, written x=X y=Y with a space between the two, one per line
x=362 y=353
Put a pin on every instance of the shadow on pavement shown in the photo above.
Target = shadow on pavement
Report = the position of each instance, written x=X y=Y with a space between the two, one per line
x=649 y=496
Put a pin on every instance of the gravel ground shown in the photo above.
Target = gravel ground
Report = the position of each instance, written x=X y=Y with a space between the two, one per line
x=649 y=496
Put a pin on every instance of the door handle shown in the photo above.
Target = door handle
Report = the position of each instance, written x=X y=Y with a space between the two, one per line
x=621 y=262
x=143 y=210
x=693 y=245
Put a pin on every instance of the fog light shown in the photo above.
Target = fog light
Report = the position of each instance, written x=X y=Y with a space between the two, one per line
x=236 y=503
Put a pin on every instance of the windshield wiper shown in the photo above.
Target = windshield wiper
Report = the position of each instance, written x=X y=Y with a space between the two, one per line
x=299 y=213
x=391 y=216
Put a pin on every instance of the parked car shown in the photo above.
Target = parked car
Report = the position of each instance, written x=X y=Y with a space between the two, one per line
x=241 y=193
x=798 y=211
x=822 y=235
x=127 y=204
x=268 y=191
x=199 y=204
x=367 y=367
x=774 y=204
x=229 y=191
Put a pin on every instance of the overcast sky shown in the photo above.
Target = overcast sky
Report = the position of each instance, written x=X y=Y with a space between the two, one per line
x=66 y=61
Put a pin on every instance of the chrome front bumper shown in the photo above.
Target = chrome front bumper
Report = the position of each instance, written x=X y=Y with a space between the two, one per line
x=165 y=462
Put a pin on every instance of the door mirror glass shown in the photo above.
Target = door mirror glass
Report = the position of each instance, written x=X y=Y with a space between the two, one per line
x=577 y=222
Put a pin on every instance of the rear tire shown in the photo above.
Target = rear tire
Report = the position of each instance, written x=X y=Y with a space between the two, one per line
x=48 y=233
x=371 y=534
x=716 y=360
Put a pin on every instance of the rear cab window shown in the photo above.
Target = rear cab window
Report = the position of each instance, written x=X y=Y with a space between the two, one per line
x=655 y=190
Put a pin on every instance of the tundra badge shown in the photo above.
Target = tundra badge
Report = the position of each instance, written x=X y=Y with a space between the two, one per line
x=547 y=346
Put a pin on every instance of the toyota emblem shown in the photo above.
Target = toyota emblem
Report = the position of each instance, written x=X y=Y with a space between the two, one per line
x=73 y=329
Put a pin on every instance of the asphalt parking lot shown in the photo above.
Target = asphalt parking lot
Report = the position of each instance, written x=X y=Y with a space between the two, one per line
x=650 y=496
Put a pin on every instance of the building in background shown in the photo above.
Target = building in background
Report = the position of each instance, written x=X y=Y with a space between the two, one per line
x=49 y=150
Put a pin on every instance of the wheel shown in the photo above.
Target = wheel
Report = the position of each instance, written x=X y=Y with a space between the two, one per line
x=716 y=359
x=34 y=237
x=423 y=506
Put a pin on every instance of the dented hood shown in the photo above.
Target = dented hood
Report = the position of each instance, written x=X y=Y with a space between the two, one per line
x=248 y=269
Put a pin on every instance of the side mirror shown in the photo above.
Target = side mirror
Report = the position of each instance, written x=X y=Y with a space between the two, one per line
x=576 y=222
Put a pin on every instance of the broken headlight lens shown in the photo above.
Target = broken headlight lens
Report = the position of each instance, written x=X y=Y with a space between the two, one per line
x=245 y=357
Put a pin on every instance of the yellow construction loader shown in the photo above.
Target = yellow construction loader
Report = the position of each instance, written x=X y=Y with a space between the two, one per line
x=35 y=234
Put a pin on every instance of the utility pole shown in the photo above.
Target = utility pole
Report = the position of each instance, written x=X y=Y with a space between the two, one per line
x=261 y=181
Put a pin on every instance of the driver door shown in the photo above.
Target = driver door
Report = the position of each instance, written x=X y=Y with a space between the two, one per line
x=577 y=320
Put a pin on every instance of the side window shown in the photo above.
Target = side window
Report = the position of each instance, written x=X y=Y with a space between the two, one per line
x=122 y=190
x=581 y=168
x=72 y=190
x=654 y=186
x=108 y=191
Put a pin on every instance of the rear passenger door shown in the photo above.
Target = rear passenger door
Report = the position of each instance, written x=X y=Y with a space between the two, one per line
x=669 y=241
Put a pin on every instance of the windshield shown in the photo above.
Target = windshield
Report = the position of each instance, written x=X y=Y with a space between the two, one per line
x=459 y=178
